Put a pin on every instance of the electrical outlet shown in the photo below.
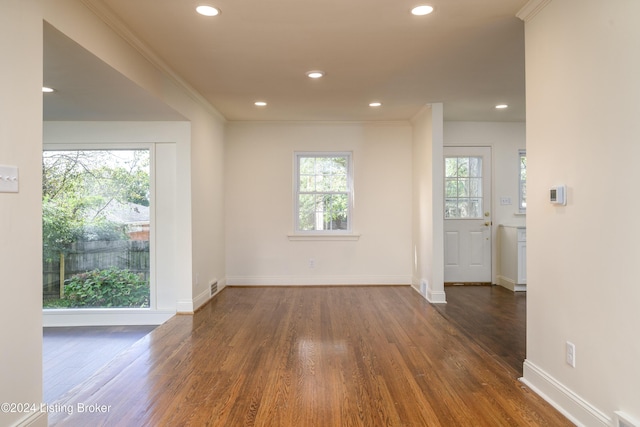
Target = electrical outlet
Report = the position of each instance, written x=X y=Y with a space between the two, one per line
x=571 y=354
x=312 y=263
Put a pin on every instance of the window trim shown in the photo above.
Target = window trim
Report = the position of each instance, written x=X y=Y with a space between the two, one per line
x=299 y=234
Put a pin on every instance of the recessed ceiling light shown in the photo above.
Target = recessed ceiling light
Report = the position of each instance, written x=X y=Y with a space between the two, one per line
x=207 y=10
x=315 y=74
x=421 y=10
x=260 y=104
x=501 y=106
x=375 y=104
x=47 y=89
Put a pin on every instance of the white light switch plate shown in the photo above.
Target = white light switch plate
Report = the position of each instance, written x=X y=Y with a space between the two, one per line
x=504 y=201
x=8 y=179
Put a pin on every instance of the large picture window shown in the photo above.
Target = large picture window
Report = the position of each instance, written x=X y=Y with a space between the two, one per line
x=323 y=192
x=96 y=228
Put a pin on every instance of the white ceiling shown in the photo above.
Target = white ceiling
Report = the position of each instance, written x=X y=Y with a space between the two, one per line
x=468 y=54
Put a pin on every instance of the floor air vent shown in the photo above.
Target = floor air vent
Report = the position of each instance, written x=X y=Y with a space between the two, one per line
x=214 y=287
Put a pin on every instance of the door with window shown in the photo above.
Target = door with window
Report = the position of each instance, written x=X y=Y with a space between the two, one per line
x=467 y=215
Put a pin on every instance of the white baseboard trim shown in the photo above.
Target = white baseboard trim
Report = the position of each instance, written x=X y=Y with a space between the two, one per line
x=575 y=408
x=316 y=280
x=34 y=419
x=201 y=299
x=104 y=317
x=185 y=306
x=189 y=307
x=436 y=297
x=423 y=287
x=510 y=284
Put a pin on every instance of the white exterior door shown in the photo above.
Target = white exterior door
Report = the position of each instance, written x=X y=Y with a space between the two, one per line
x=467 y=214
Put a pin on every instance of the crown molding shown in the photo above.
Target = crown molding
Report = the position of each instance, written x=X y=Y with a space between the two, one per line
x=105 y=14
x=531 y=9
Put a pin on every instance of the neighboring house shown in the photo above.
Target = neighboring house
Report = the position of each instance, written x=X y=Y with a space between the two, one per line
x=133 y=216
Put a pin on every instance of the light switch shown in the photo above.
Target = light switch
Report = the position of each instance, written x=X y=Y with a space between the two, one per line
x=8 y=179
x=504 y=201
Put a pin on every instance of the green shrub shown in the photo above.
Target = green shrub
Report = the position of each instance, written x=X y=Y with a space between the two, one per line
x=56 y=303
x=107 y=288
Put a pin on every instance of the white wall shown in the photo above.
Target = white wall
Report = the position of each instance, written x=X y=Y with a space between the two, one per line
x=259 y=192
x=583 y=131
x=505 y=140
x=20 y=213
x=170 y=243
x=428 y=204
x=207 y=205
x=205 y=153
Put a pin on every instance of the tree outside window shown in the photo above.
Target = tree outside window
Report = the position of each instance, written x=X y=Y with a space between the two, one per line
x=323 y=192
x=95 y=228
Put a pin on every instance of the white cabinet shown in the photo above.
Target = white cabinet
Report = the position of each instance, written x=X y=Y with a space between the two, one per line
x=512 y=269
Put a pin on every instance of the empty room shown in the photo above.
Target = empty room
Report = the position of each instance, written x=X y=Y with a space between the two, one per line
x=323 y=213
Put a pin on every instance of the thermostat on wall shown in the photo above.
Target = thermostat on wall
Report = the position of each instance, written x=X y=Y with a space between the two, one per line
x=557 y=195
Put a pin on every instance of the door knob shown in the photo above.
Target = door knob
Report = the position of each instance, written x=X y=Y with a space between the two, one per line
x=487 y=213
x=487 y=223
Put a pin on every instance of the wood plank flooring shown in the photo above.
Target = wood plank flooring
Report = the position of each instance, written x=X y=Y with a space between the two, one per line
x=312 y=356
x=492 y=316
x=71 y=355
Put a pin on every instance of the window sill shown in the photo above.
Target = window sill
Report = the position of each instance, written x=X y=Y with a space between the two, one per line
x=328 y=237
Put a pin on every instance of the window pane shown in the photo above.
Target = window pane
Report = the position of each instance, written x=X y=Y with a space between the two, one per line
x=338 y=202
x=307 y=183
x=451 y=166
x=463 y=208
x=306 y=211
x=475 y=187
x=463 y=187
x=451 y=208
x=337 y=221
x=307 y=165
x=339 y=183
x=475 y=166
x=323 y=183
x=339 y=165
x=323 y=165
x=96 y=228
x=463 y=166
x=475 y=208
x=307 y=220
x=451 y=189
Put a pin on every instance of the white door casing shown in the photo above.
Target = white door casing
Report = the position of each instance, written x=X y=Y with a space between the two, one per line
x=467 y=216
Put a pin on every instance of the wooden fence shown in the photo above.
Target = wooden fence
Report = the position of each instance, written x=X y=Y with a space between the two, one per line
x=132 y=255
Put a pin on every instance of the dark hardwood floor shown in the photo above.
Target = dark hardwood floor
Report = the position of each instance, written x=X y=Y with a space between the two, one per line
x=71 y=355
x=492 y=316
x=308 y=356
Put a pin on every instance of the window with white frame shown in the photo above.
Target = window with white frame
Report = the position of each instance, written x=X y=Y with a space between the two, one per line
x=522 y=193
x=323 y=192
